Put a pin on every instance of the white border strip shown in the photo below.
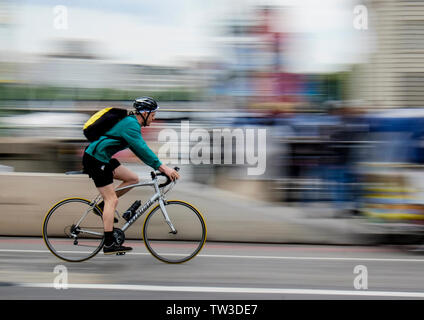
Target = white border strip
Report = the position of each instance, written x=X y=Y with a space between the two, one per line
x=363 y=293
x=313 y=258
x=241 y=256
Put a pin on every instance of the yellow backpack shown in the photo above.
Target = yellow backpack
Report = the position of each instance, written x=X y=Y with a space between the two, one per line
x=102 y=121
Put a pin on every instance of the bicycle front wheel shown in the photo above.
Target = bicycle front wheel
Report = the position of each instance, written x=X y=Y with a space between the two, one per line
x=73 y=230
x=177 y=247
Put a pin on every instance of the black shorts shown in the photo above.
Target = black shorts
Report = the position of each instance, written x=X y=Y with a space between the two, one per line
x=100 y=172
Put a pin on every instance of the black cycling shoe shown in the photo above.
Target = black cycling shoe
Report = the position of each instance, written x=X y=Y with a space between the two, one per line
x=115 y=248
x=101 y=205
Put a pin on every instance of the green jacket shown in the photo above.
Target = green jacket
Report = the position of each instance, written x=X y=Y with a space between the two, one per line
x=128 y=132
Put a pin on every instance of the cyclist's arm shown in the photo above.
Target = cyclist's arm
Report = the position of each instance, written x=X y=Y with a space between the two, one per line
x=137 y=145
x=171 y=173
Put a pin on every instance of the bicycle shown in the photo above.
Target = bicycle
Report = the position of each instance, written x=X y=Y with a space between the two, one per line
x=174 y=231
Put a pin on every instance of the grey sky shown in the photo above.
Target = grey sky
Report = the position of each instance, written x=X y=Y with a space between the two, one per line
x=169 y=31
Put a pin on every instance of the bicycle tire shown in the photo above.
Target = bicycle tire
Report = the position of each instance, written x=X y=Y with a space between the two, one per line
x=190 y=237
x=58 y=239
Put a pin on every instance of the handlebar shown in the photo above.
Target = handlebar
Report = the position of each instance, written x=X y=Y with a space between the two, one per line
x=155 y=174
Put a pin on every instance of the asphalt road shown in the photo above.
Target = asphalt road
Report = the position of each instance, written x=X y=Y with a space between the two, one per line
x=222 y=271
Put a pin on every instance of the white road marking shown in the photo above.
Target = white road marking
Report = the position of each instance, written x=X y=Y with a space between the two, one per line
x=313 y=258
x=24 y=251
x=239 y=256
x=396 y=294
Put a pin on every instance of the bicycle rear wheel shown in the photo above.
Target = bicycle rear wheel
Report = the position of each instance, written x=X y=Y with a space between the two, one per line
x=73 y=230
x=190 y=234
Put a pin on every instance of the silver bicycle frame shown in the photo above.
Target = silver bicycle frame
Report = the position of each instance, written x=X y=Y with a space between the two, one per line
x=158 y=196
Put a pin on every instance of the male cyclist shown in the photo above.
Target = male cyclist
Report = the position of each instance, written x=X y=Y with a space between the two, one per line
x=102 y=168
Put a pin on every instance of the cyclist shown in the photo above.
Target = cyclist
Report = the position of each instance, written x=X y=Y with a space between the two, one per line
x=102 y=168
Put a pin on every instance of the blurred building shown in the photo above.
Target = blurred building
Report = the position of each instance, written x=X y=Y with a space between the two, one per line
x=8 y=63
x=257 y=69
x=258 y=46
x=394 y=75
x=77 y=63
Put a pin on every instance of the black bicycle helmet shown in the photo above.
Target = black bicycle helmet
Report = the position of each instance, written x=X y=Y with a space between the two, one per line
x=145 y=104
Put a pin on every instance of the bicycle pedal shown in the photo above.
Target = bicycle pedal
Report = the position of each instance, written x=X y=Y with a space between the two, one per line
x=120 y=253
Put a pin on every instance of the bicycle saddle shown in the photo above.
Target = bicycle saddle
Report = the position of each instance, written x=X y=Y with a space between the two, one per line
x=75 y=172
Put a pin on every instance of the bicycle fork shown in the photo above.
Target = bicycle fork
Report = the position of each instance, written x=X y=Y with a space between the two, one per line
x=163 y=209
x=166 y=217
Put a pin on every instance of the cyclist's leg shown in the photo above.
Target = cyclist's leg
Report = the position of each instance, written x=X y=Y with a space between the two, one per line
x=126 y=176
x=111 y=202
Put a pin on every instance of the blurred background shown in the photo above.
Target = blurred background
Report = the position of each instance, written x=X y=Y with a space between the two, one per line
x=337 y=84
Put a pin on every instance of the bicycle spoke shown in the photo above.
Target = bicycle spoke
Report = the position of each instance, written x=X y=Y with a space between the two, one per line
x=181 y=245
x=70 y=225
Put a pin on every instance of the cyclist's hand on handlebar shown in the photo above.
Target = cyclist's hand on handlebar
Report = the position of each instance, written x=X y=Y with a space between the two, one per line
x=169 y=172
